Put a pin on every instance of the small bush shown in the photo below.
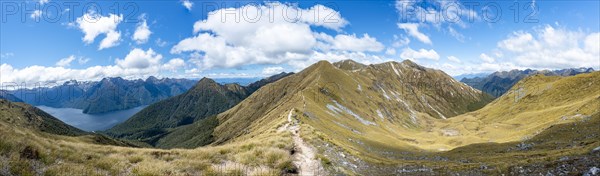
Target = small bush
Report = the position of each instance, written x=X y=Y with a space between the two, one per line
x=5 y=147
x=20 y=167
x=287 y=167
x=30 y=153
x=235 y=172
x=324 y=160
x=135 y=159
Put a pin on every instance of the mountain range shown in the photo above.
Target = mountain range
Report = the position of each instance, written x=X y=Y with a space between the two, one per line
x=7 y=96
x=207 y=98
x=109 y=94
x=343 y=118
x=499 y=82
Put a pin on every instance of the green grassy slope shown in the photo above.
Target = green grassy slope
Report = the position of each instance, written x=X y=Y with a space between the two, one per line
x=38 y=144
x=26 y=116
x=205 y=99
x=374 y=116
x=168 y=123
x=366 y=103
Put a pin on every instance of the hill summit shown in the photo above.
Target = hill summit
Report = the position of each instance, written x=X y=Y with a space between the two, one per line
x=205 y=99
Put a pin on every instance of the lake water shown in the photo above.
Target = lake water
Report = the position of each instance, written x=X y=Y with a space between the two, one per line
x=90 y=122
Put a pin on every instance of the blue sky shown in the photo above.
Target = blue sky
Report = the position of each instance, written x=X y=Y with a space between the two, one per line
x=54 y=41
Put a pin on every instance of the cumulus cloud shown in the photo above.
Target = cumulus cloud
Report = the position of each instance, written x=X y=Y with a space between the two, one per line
x=264 y=34
x=465 y=67
x=457 y=35
x=400 y=41
x=253 y=16
x=591 y=43
x=390 y=51
x=42 y=2
x=142 y=32
x=454 y=59
x=174 y=64
x=160 y=42
x=137 y=64
x=112 y=39
x=36 y=14
x=486 y=58
x=93 y=25
x=65 y=62
x=139 y=59
x=549 y=47
x=187 y=4
x=543 y=47
x=272 y=70
x=349 y=42
x=411 y=54
x=83 y=60
x=412 y=29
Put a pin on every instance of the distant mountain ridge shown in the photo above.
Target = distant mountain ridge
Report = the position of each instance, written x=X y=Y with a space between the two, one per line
x=345 y=95
x=7 y=96
x=109 y=94
x=499 y=83
x=207 y=98
x=470 y=75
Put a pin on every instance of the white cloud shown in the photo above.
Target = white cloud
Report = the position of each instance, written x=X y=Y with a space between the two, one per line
x=217 y=53
x=195 y=73
x=454 y=59
x=551 y=47
x=83 y=60
x=412 y=29
x=544 y=47
x=349 y=42
x=65 y=62
x=174 y=64
x=249 y=34
x=592 y=43
x=187 y=4
x=36 y=14
x=93 y=25
x=319 y=15
x=486 y=58
x=6 y=55
x=473 y=68
x=112 y=39
x=458 y=36
x=409 y=53
x=160 y=42
x=42 y=2
x=233 y=22
x=137 y=64
x=400 y=41
x=139 y=59
x=272 y=70
x=390 y=51
x=142 y=32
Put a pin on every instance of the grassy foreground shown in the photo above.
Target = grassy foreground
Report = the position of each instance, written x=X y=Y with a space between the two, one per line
x=26 y=150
